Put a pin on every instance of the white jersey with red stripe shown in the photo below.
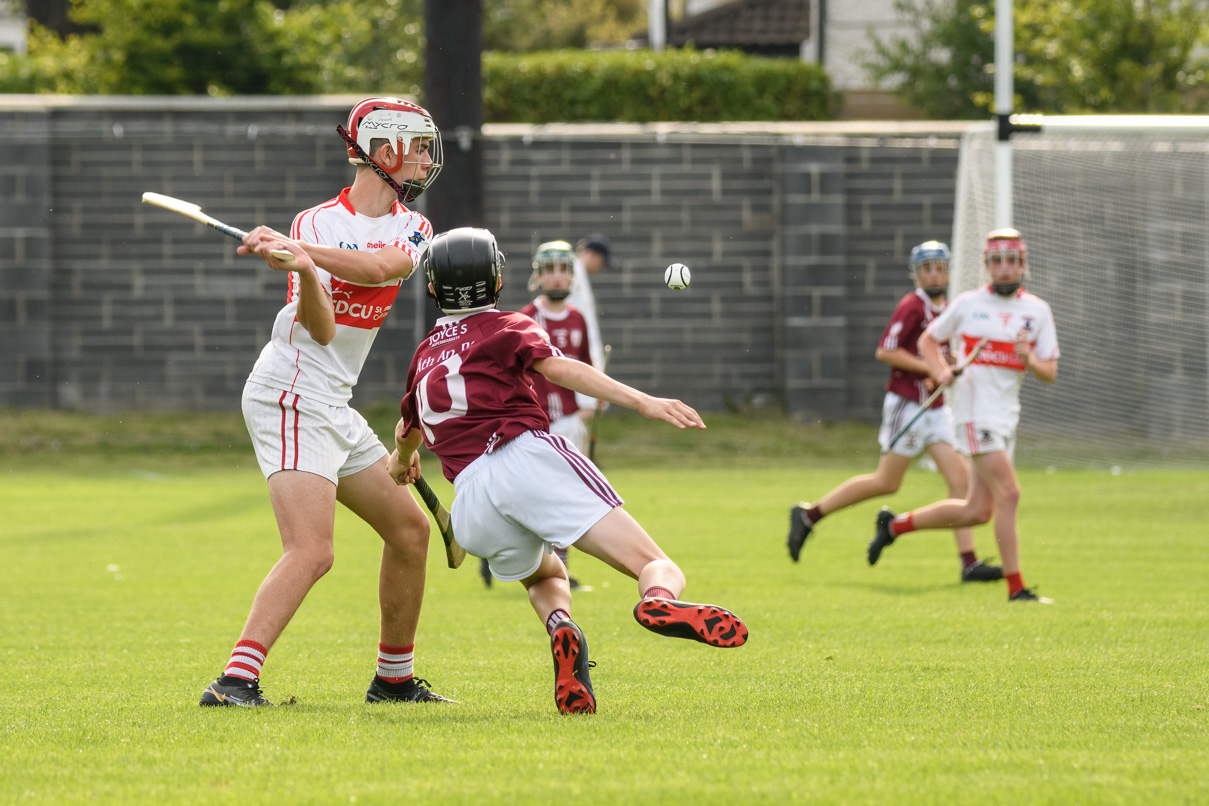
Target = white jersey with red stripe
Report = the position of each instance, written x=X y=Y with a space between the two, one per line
x=292 y=361
x=988 y=391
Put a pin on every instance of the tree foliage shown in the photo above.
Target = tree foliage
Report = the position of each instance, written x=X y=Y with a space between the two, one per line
x=641 y=86
x=523 y=26
x=1071 y=56
x=225 y=47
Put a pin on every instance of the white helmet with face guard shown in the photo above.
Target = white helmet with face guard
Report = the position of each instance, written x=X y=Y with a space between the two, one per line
x=398 y=122
x=1006 y=245
x=550 y=255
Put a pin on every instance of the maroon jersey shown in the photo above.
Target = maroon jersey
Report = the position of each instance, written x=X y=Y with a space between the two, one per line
x=914 y=313
x=468 y=386
x=568 y=332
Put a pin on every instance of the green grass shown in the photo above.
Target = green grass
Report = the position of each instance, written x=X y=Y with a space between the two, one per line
x=129 y=571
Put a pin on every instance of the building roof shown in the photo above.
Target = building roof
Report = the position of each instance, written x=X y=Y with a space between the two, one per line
x=743 y=23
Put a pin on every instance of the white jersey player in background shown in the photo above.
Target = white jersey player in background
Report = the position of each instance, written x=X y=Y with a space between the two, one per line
x=352 y=254
x=986 y=400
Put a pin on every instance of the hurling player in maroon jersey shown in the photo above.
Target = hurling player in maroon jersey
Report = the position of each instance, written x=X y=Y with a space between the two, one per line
x=565 y=324
x=521 y=491
x=909 y=386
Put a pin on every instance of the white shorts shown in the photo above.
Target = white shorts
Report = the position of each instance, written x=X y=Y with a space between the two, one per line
x=574 y=429
x=293 y=433
x=936 y=425
x=533 y=495
x=975 y=438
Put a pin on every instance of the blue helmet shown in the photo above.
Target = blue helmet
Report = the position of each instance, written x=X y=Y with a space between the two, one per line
x=927 y=252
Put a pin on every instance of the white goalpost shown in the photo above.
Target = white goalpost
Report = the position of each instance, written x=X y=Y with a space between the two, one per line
x=1115 y=212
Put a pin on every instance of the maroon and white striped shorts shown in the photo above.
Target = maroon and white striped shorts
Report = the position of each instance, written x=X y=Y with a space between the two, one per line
x=532 y=495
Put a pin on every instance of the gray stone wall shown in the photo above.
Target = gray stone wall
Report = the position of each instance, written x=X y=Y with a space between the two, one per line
x=797 y=236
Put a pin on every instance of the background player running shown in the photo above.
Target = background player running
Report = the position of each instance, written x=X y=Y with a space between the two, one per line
x=986 y=400
x=313 y=448
x=569 y=412
x=911 y=382
x=519 y=489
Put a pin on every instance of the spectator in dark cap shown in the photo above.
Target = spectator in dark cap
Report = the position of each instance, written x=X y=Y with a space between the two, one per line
x=592 y=254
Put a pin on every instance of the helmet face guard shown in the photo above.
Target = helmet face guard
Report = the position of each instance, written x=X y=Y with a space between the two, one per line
x=929 y=252
x=1006 y=245
x=545 y=259
x=464 y=267
x=399 y=122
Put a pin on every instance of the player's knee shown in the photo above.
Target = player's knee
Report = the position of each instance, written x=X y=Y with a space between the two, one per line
x=417 y=525
x=1010 y=497
x=982 y=512
x=410 y=531
x=319 y=562
x=888 y=486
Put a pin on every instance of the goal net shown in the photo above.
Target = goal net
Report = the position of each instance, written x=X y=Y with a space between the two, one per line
x=1117 y=226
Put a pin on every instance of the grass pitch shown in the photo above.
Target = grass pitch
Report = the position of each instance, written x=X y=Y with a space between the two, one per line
x=129 y=573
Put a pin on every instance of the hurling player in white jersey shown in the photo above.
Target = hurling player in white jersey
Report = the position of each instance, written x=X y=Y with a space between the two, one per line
x=909 y=387
x=354 y=252
x=1021 y=337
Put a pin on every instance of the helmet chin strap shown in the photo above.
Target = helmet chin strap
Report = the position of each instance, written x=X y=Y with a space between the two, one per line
x=1006 y=289
x=406 y=196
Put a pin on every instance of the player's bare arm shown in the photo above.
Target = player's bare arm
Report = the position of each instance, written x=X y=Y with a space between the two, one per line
x=363 y=268
x=407 y=444
x=586 y=379
x=315 y=310
x=1045 y=370
x=904 y=360
x=937 y=367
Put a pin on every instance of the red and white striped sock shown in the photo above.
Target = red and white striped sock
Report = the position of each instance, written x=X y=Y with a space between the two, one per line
x=395 y=662
x=246 y=659
x=658 y=593
x=555 y=617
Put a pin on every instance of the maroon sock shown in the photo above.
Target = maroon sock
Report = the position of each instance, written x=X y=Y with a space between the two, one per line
x=968 y=558
x=813 y=515
x=555 y=617
x=657 y=592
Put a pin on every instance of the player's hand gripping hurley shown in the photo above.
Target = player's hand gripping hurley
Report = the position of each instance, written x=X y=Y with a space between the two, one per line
x=194 y=211
x=937 y=392
x=454 y=553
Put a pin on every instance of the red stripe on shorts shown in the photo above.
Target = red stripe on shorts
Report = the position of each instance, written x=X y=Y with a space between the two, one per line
x=281 y=404
x=295 y=407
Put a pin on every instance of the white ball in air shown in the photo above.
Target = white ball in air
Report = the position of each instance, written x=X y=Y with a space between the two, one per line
x=677 y=276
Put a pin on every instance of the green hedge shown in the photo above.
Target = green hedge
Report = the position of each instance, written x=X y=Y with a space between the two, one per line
x=642 y=87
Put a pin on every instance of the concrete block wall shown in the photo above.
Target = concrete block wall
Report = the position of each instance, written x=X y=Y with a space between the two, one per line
x=708 y=206
x=797 y=236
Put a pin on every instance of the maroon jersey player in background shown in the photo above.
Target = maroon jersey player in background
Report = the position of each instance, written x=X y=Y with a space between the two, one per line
x=519 y=490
